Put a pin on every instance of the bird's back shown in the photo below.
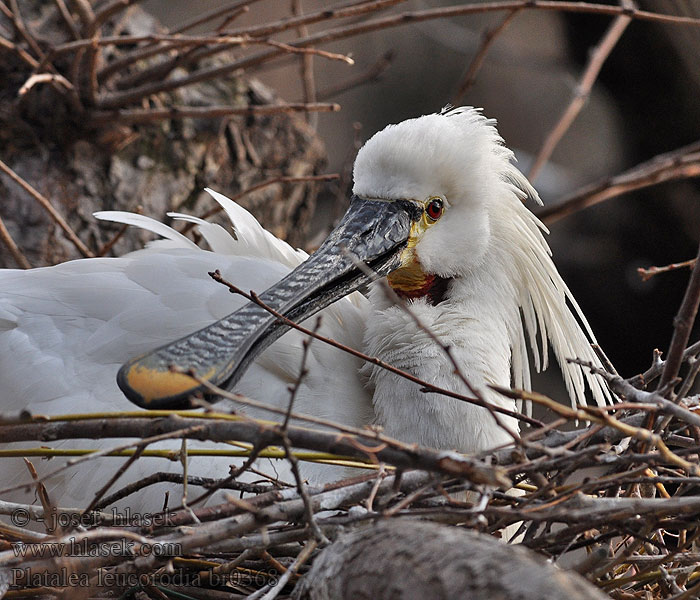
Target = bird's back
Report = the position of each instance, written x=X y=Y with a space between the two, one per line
x=66 y=330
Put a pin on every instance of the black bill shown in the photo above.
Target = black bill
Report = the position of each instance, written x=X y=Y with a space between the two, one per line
x=372 y=231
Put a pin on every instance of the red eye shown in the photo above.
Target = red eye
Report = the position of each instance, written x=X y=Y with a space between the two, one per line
x=434 y=209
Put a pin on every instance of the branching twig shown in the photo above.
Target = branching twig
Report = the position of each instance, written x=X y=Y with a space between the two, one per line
x=678 y=164
x=583 y=89
x=373 y=360
x=488 y=38
x=58 y=219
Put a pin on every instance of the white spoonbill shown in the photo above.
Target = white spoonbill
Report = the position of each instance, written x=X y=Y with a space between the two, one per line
x=437 y=206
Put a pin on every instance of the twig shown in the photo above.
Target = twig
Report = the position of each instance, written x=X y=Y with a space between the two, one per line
x=134 y=116
x=120 y=471
x=626 y=390
x=21 y=52
x=249 y=430
x=6 y=238
x=487 y=39
x=18 y=22
x=58 y=219
x=678 y=164
x=306 y=68
x=647 y=274
x=119 y=99
x=44 y=78
x=258 y=186
x=67 y=19
x=307 y=54
x=682 y=326
x=373 y=360
x=155 y=478
x=374 y=73
x=213 y=14
x=583 y=89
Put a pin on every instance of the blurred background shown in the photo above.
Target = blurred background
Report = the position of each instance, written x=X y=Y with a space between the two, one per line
x=643 y=103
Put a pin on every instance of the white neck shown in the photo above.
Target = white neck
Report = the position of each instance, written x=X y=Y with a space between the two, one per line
x=476 y=327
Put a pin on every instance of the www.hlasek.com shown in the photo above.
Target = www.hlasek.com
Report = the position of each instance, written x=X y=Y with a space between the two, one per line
x=107 y=578
x=21 y=517
x=76 y=546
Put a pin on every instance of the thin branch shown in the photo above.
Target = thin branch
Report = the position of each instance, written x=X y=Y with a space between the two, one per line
x=647 y=274
x=429 y=387
x=306 y=67
x=118 y=99
x=214 y=14
x=134 y=116
x=67 y=18
x=300 y=560
x=6 y=238
x=149 y=430
x=678 y=164
x=21 y=52
x=58 y=219
x=372 y=74
x=583 y=89
x=44 y=78
x=258 y=186
x=682 y=326
x=487 y=39
x=18 y=22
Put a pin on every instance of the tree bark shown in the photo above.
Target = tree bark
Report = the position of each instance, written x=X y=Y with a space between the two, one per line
x=82 y=166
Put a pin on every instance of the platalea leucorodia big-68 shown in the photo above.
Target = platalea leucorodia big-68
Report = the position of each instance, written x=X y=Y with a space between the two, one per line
x=437 y=206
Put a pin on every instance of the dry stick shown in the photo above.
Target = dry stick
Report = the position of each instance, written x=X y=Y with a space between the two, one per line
x=258 y=186
x=18 y=22
x=58 y=219
x=678 y=164
x=84 y=11
x=120 y=471
x=293 y=461
x=625 y=389
x=118 y=99
x=109 y=10
x=43 y=78
x=203 y=112
x=488 y=38
x=371 y=75
x=21 y=52
x=142 y=443
x=406 y=456
x=115 y=238
x=657 y=367
x=352 y=9
x=306 y=68
x=67 y=18
x=6 y=238
x=583 y=89
x=682 y=326
x=647 y=274
x=371 y=359
x=306 y=52
x=214 y=14
x=161 y=477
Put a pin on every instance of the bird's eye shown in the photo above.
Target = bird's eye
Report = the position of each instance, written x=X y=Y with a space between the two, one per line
x=434 y=209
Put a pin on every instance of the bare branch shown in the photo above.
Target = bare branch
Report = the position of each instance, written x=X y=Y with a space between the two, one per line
x=583 y=89
x=58 y=219
x=678 y=164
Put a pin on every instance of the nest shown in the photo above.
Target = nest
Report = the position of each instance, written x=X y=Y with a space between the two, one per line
x=631 y=528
